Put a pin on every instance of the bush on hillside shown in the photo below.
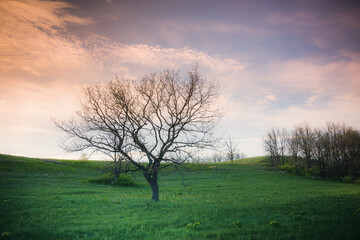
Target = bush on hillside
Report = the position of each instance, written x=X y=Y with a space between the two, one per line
x=109 y=179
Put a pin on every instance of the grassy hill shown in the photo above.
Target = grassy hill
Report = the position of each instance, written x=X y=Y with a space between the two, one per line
x=50 y=199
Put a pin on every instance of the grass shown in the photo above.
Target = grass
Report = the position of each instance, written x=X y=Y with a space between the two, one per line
x=244 y=200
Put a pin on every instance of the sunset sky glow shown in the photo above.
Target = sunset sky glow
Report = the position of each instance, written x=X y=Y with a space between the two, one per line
x=278 y=63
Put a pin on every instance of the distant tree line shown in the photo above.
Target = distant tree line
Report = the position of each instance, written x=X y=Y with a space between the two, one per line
x=218 y=156
x=230 y=153
x=223 y=157
x=227 y=151
x=332 y=151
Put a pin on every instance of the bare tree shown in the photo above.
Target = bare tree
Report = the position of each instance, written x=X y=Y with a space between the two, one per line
x=306 y=139
x=231 y=150
x=275 y=144
x=146 y=123
x=271 y=144
x=294 y=144
x=321 y=146
x=217 y=157
x=282 y=137
x=83 y=157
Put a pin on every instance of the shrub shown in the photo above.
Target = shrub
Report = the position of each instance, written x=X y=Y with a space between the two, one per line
x=193 y=225
x=302 y=172
x=109 y=179
x=274 y=223
x=236 y=223
x=283 y=167
x=348 y=179
x=287 y=168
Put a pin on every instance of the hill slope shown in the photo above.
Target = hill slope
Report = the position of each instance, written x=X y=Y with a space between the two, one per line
x=246 y=200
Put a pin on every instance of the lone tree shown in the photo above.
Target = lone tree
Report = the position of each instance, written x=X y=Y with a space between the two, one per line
x=231 y=149
x=159 y=119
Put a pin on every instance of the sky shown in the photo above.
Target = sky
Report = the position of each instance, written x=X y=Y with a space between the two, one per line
x=278 y=63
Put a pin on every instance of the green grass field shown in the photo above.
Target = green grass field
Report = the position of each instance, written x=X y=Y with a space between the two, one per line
x=244 y=200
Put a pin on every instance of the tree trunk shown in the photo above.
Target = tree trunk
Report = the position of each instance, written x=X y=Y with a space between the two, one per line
x=117 y=166
x=117 y=170
x=152 y=180
x=155 y=192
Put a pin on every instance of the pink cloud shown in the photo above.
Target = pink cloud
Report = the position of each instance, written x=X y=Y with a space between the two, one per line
x=33 y=37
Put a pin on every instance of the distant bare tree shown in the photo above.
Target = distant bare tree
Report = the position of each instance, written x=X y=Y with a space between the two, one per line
x=83 y=157
x=293 y=143
x=156 y=120
x=240 y=155
x=306 y=139
x=320 y=152
x=231 y=150
x=275 y=143
x=282 y=137
x=217 y=157
x=271 y=144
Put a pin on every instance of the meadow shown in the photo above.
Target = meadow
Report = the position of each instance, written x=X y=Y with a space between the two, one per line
x=245 y=200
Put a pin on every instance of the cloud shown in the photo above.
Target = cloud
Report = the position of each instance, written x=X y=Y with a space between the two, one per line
x=214 y=27
x=26 y=109
x=34 y=39
x=268 y=99
x=313 y=80
x=116 y=56
x=311 y=100
x=333 y=29
x=36 y=44
x=288 y=93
